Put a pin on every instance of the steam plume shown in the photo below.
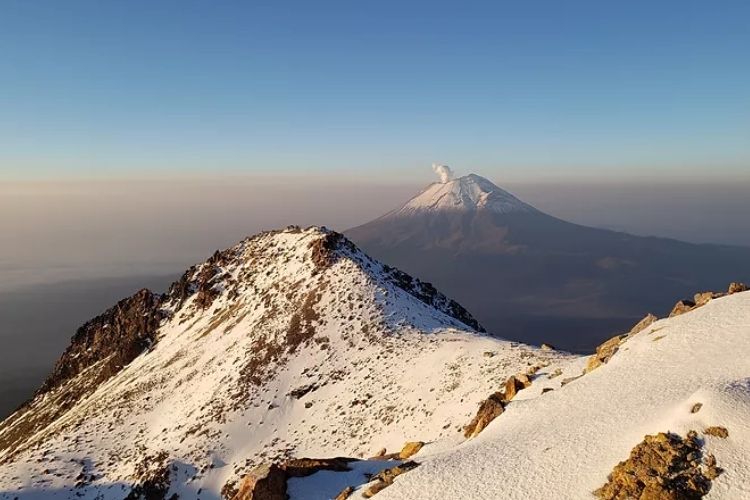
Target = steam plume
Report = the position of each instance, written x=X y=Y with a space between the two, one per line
x=444 y=171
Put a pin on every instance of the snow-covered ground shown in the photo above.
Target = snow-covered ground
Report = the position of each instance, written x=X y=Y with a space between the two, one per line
x=563 y=443
x=296 y=356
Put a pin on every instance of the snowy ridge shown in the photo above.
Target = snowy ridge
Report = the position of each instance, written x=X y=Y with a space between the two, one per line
x=468 y=193
x=562 y=444
x=292 y=343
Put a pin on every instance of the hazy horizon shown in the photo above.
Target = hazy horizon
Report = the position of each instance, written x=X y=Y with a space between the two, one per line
x=107 y=228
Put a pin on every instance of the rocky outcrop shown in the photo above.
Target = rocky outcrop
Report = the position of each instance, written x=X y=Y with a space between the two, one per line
x=116 y=337
x=606 y=350
x=681 y=307
x=265 y=482
x=385 y=478
x=514 y=384
x=410 y=449
x=662 y=467
x=703 y=298
x=268 y=481
x=716 y=431
x=489 y=410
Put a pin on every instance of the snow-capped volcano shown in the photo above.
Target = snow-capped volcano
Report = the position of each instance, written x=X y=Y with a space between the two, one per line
x=291 y=343
x=467 y=193
x=532 y=277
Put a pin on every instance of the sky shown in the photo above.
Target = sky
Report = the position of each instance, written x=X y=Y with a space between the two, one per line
x=526 y=91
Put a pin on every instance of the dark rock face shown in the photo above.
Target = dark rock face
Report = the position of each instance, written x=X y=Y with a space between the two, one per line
x=116 y=337
x=662 y=467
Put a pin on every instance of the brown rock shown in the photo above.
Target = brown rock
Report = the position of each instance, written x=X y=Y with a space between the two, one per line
x=604 y=353
x=409 y=449
x=302 y=467
x=703 y=298
x=514 y=384
x=385 y=478
x=736 y=287
x=265 y=482
x=696 y=408
x=345 y=493
x=682 y=307
x=547 y=347
x=647 y=321
x=717 y=431
x=661 y=467
x=489 y=409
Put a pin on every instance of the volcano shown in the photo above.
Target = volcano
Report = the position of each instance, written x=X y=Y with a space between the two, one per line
x=529 y=276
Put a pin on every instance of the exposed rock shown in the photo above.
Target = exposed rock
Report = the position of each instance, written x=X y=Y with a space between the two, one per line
x=604 y=353
x=647 y=321
x=568 y=380
x=268 y=482
x=345 y=493
x=381 y=453
x=302 y=467
x=265 y=482
x=489 y=409
x=703 y=298
x=547 y=389
x=736 y=287
x=514 y=384
x=682 y=307
x=696 y=408
x=385 y=478
x=118 y=336
x=556 y=373
x=151 y=478
x=547 y=347
x=409 y=449
x=717 y=431
x=662 y=467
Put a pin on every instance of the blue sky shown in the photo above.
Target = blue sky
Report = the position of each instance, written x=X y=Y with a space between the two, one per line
x=532 y=88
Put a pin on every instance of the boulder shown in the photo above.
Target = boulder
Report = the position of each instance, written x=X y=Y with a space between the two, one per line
x=662 y=467
x=385 y=478
x=514 y=384
x=265 y=482
x=604 y=353
x=736 y=287
x=411 y=448
x=703 y=298
x=345 y=493
x=547 y=347
x=682 y=307
x=647 y=321
x=489 y=409
x=717 y=431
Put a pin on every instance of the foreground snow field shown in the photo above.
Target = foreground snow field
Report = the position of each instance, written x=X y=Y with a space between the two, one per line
x=563 y=443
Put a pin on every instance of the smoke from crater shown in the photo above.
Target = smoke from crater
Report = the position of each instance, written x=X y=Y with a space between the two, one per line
x=444 y=171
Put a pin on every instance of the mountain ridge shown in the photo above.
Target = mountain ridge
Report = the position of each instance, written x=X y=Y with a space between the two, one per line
x=291 y=343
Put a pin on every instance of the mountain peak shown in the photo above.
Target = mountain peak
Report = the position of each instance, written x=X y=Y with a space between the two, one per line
x=468 y=193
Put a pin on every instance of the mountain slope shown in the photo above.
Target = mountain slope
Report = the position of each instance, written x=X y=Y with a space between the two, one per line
x=526 y=274
x=561 y=437
x=562 y=444
x=291 y=343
